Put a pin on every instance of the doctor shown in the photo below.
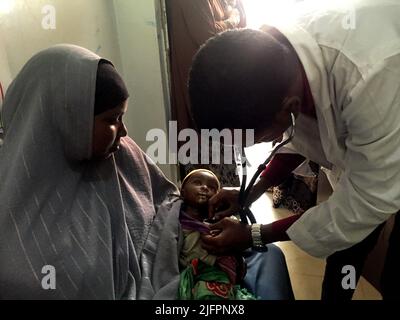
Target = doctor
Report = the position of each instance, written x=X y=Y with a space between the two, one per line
x=342 y=83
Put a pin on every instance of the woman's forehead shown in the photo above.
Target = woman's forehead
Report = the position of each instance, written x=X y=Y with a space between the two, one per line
x=119 y=109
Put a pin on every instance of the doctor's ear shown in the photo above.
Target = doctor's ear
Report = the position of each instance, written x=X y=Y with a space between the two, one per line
x=292 y=105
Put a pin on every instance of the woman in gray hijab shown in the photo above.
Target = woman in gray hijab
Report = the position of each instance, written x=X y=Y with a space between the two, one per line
x=77 y=197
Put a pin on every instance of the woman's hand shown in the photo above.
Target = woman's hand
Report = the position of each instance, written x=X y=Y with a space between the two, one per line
x=227 y=236
x=224 y=204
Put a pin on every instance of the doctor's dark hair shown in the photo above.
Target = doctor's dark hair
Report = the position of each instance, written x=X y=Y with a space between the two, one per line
x=239 y=79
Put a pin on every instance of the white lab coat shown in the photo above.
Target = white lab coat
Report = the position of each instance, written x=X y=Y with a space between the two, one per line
x=354 y=76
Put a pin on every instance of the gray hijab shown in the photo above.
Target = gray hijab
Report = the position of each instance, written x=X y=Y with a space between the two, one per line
x=88 y=220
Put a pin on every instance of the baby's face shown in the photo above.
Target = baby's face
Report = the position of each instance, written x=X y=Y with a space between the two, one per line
x=199 y=188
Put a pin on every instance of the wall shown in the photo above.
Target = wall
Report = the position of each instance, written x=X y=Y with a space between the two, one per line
x=139 y=43
x=86 y=23
x=5 y=75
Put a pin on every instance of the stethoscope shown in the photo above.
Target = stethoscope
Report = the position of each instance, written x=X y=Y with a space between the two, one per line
x=245 y=213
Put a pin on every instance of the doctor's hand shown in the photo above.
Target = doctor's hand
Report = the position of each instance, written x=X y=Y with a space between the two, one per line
x=227 y=236
x=224 y=204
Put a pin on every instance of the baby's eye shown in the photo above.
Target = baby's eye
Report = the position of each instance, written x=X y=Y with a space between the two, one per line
x=197 y=182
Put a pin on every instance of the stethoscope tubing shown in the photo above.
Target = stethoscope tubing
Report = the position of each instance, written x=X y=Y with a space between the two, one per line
x=245 y=213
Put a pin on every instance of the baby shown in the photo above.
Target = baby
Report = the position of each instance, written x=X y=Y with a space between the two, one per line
x=205 y=276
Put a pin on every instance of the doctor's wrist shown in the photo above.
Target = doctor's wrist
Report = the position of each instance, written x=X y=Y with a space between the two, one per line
x=264 y=234
x=267 y=235
x=276 y=231
x=258 y=244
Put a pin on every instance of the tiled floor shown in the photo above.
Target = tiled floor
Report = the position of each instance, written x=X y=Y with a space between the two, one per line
x=306 y=272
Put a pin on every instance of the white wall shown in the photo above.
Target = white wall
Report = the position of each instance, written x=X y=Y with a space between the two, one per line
x=86 y=23
x=140 y=53
x=5 y=74
x=123 y=31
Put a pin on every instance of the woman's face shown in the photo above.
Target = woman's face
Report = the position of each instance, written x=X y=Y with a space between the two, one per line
x=108 y=130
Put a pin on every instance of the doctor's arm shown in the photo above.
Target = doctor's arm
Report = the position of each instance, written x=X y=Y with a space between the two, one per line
x=368 y=191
